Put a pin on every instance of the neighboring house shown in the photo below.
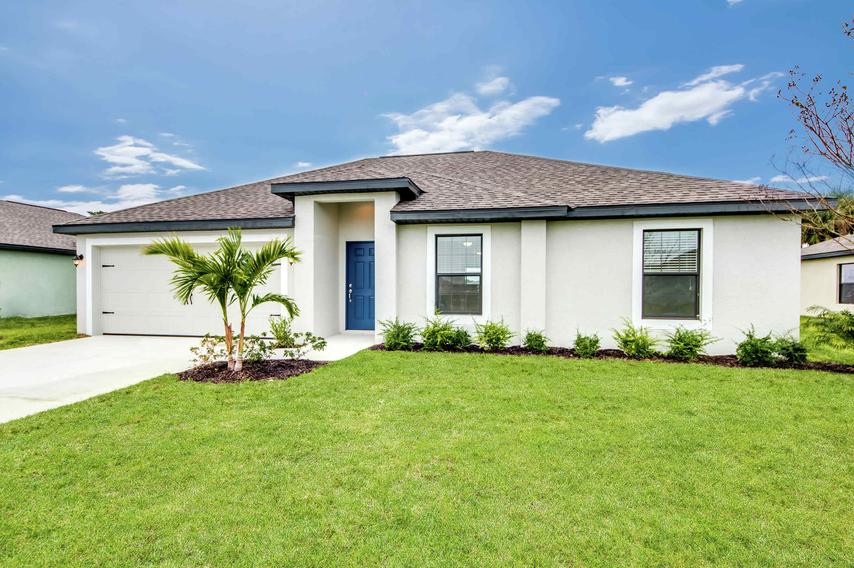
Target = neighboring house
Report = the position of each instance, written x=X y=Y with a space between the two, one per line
x=36 y=271
x=542 y=244
x=827 y=274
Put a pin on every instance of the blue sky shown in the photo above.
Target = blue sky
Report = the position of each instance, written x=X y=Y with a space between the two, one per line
x=105 y=105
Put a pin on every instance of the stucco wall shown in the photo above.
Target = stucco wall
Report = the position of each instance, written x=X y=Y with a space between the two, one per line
x=820 y=283
x=36 y=284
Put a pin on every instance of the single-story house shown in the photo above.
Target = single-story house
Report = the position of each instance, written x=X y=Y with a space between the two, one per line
x=542 y=244
x=827 y=275
x=37 y=276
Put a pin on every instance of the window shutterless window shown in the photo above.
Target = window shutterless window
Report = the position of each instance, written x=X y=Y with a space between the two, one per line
x=671 y=274
x=846 y=283
x=459 y=274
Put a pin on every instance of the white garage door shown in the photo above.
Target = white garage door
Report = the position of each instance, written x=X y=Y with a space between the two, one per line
x=137 y=299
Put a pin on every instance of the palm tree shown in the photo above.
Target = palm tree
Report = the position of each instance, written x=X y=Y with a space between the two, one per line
x=229 y=274
x=253 y=270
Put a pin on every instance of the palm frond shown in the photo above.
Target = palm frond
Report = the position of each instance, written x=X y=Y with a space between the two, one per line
x=288 y=303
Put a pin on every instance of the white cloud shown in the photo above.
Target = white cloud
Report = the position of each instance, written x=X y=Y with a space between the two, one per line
x=303 y=165
x=706 y=97
x=755 y=180
x=620 y=81
x=120 y=120
x=127 y=195
x=135 y=156
x=458 y=123
x=493 y=87
x=802 y=180
x=74 y=188
x=734 y=2
x=714 y=73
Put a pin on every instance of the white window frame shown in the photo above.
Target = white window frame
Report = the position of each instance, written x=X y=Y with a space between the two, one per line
x=706 y=227
x=486 y=270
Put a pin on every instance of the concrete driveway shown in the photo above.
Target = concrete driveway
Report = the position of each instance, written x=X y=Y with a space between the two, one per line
x=33 y=379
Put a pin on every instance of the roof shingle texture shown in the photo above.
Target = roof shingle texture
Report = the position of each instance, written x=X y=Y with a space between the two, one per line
x=839 y=244
x=464 y=180
x=31 y=226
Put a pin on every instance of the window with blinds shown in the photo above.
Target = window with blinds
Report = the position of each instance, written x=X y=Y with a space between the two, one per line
x=459 y=262
x=671 y=274
x=846 y=283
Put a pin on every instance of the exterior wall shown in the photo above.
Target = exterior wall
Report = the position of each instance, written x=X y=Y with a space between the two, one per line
x=36 y=284
x=820 y=283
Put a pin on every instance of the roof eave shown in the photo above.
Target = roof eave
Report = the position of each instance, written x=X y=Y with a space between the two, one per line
x=190 y=225
x=830 y=254
x=32 y=248
x=406 y=187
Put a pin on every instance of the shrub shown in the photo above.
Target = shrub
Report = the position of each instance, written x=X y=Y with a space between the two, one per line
x=586 y=346
x=492 y=335
x=756 y=350
x=256 y=348
x=398 y=335
x=688 y=344
x=833 y=326
x=440 y=334
x=283 y=335
x=210 y=349
x=536 y=341
x=790 y=350
x=636 y=342
x=306 y=342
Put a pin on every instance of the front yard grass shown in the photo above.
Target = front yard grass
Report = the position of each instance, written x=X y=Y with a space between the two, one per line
x=441 y=459
x=20 y=332
x=821 y=351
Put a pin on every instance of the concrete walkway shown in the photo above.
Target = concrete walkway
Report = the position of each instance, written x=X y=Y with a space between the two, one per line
x=37 y=378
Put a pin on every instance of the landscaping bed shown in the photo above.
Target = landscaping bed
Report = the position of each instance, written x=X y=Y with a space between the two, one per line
x=568 y=353
x=269 y=370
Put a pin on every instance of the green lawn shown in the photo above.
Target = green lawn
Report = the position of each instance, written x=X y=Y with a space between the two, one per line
x=428 y=459
x=19 y=332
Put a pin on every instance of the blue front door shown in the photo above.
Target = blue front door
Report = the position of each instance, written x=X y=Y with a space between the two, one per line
x=359 y=295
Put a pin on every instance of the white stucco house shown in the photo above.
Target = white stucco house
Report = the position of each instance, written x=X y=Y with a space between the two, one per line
x=827 y=275
x=540 y=243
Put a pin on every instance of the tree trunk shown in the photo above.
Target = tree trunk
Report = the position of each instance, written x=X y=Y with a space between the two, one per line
x=229 y=344
x=238 y=365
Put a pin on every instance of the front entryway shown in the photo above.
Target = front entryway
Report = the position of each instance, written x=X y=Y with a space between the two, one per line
x=359 y=292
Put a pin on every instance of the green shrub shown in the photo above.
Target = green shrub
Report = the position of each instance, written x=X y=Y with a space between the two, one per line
x=211 y=349
x=636 y=342
x=440 y=334
x=283 y=335
x=790 y=350
x=492 y=335
x=688 y=344
x=586 y=346
x=398 y=335
x=536 y=341
x=257 y=348
x=756 y=350
x=296 y=345
x=833 y=327
x=306 y=342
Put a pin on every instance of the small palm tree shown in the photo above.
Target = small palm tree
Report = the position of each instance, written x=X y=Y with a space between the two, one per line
x=228 y=275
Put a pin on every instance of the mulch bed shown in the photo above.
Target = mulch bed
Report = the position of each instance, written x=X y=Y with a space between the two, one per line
x=271 y=370
x=719 y=360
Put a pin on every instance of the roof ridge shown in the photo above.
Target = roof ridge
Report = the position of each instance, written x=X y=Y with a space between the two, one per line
x=40 y=206
x=424 y=154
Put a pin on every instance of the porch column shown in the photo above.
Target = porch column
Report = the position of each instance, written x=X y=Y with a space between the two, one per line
x=385 y=267
x=533 y=276
x=303 y=271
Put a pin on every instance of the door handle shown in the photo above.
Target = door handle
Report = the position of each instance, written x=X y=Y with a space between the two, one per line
x=350 y=293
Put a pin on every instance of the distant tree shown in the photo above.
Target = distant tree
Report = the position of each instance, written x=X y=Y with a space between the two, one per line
x=95 y=213
x=825 y=131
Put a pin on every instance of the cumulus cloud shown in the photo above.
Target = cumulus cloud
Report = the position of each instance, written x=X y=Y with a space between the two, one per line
x=74 y=188
x=126 y=195
x=303 y=165
x=493 y=87
x=734 y=2
x=707 y=97
x=135 y=156
x=755 y=180
x=459 y=123
x=620 y=81
x=802 y=180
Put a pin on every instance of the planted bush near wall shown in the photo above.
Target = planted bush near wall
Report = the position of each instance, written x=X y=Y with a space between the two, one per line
x=791 y=350
x=635 y=342
x=688 y=344
x=833 y=326
x=398 y=335
x=492 y=335
x=756 y=350
x=586 y=346
x=439 y=334
x=536 y=341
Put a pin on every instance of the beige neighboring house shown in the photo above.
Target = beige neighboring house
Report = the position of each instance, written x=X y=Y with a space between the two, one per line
x=541 y=244
x=827 y=274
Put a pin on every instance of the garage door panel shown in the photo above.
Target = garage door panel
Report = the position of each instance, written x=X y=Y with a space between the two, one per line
x=136 y=294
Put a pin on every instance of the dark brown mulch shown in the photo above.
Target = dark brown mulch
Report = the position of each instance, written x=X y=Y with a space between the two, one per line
x=272 y=370
x=719 y=360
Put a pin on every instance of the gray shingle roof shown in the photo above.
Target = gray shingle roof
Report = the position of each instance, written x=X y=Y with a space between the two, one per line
x=840 y=246
x=30 y=226
x=463 y=180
